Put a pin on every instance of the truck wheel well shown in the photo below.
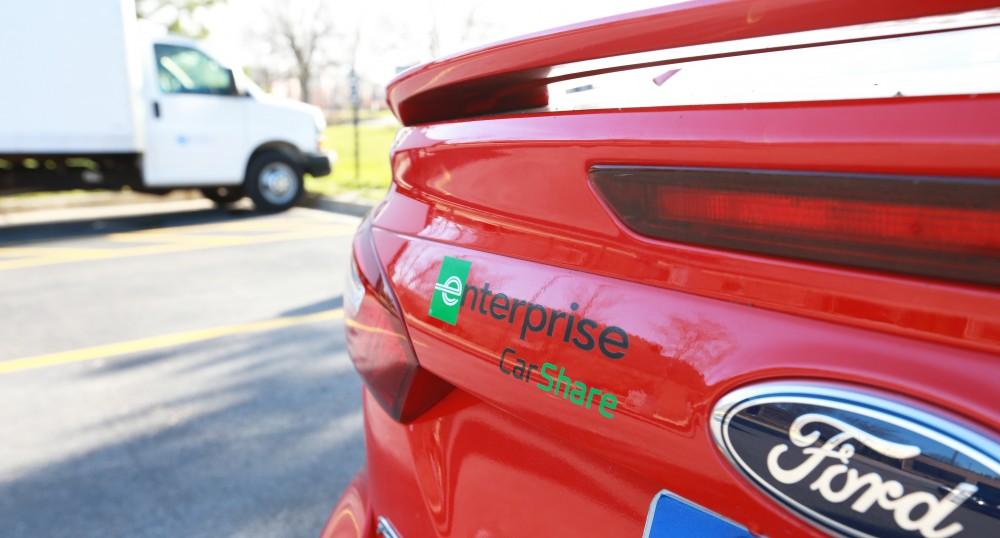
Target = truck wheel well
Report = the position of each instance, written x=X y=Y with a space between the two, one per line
x=283 y=147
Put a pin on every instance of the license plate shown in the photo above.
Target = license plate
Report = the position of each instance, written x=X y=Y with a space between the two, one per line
x=671 y=516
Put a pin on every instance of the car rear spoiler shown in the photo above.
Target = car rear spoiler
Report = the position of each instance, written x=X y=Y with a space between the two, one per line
x=513 y=75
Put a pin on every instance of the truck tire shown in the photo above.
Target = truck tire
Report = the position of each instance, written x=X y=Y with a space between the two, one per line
x=274 y=181
x=223 y=196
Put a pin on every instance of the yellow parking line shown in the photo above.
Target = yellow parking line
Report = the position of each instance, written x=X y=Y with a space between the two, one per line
x=162 y=341
x=238 y=226
x=42 y=256
x=18 y=252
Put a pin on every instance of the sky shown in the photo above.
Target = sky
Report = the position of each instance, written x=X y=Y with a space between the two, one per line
x=395 y=33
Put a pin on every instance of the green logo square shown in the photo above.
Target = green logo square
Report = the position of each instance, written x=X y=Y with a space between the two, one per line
x=447 y=298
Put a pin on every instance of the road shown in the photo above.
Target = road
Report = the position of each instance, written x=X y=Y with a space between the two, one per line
x=177 y=373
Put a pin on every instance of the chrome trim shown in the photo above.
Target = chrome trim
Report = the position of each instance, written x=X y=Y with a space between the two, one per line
x=384 y=528
x=278 y=182
x=809 y=38
x=956 y=62
x=892 y=409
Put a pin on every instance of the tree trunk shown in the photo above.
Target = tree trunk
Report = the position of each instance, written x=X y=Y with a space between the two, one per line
x=304 y=79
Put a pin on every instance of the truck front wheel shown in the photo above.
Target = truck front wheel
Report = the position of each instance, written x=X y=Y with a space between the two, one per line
x=274 y=181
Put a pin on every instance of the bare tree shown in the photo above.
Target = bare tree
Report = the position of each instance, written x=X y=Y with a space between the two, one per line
x=473 y=26
x=433 y=34
x=180 y=16
x=444 y=27
x=470 y=26
x=302 y=30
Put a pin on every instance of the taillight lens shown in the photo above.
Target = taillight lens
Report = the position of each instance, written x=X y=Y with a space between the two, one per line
x=938 y=227
x=377 y=340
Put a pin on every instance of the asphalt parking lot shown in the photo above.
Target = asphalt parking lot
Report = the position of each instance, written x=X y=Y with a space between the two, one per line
x=177 y=373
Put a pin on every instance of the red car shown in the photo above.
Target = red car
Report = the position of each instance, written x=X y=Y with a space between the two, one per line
x=712 y=269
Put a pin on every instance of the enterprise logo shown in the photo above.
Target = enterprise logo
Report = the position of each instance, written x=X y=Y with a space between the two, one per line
x=571 y=327
x=452 y=292
x=449 y=289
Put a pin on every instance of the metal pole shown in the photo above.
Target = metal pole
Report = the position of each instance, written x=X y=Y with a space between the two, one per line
x=355 y=104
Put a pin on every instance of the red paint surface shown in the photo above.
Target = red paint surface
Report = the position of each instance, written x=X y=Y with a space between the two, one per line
x=498 y=457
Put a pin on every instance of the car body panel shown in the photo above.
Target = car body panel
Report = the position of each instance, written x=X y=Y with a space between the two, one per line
x=510 y=194
x=564 y=223
x=685 y=352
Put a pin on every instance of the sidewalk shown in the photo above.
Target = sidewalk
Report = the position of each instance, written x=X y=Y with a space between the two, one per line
x=61 y=207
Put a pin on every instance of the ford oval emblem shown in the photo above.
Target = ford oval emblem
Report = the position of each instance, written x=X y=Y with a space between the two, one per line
x=860 y=464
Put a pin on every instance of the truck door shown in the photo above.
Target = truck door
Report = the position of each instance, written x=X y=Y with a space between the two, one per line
x=196 y=130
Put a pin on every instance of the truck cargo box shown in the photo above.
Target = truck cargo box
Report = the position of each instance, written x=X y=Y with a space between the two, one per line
x=71 y=85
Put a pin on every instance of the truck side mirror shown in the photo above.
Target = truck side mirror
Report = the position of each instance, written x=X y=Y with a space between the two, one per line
x=238 y=89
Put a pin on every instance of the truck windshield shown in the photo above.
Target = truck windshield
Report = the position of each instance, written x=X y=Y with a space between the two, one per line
x=187 y=70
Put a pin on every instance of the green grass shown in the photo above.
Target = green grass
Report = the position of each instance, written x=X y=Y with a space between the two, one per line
x=373 y=175
x=344 y=115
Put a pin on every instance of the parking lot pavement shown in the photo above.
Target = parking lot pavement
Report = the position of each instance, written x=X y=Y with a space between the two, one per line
x=175 y=374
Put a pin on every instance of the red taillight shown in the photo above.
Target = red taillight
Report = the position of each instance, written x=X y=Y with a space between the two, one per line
x=378 y=342
x=937 y=227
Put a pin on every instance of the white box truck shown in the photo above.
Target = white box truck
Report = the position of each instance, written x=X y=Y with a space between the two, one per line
x=90 y=98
